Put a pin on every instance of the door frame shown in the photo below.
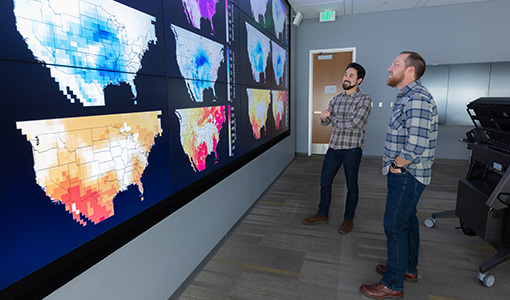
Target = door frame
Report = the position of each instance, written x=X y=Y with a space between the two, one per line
x=310 y=85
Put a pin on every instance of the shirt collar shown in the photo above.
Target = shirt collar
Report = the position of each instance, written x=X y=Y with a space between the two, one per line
x=353 y=94
x=408 y=88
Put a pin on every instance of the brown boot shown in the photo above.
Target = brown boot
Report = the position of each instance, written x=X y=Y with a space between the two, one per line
x=316 y=219
x=380 y=291
x=346 y=226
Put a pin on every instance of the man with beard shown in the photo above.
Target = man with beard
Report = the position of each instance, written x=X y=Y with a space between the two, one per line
x=407 y=161
x=348 y=113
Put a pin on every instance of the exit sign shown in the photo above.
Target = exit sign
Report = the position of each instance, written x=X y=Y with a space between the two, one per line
x=327 y=16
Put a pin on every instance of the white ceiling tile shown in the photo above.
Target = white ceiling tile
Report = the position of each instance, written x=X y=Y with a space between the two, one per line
x=448 y=2
x=368 y=6
x=311 y=8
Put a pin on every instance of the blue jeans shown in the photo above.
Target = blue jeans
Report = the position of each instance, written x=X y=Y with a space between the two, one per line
x=401 y=228
x=351 y=159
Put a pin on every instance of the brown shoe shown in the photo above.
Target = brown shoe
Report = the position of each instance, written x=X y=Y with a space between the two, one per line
x=346 y=226
x=381 y=269
x=380 y=291
x=316 y=219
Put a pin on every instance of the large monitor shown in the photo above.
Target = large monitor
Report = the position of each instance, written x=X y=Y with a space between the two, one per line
x=117 y=113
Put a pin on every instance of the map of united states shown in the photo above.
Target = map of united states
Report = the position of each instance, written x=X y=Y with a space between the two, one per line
x=258 y=46
x=84 y=162
x=258 y=105
x=197 y=9
x=87 y=45
x=258 y=9
x=200 y=133
x=279 y=107
x=279 y=62
x=279 y=17
x=199 y=60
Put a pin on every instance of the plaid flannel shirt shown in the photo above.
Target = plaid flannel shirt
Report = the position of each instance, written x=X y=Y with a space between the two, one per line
x=412 y=131
x=348 y=116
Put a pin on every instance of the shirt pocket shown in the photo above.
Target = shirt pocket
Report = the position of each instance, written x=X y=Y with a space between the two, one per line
x=396 y=120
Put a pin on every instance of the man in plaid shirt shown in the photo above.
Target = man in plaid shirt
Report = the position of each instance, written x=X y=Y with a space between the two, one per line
x=348 y=113
x=407 y=162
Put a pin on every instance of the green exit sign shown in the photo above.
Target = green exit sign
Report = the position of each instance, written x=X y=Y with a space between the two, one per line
x=326 y=16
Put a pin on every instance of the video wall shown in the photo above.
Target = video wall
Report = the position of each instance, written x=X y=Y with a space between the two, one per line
x=111 y=108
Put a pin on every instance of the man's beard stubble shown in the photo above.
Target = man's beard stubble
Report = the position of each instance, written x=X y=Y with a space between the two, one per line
x=347 y=85
x=394 y=80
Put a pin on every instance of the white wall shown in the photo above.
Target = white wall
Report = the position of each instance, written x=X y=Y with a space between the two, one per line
x=450 y=34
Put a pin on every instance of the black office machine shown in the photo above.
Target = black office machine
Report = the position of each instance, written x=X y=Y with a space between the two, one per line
x=483 y=197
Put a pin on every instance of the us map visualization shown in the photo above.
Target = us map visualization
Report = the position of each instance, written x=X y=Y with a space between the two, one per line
x=115 y=106
x=258 y=9
x=258 y=46
x=85 y=162
x=279 y=61
x=198 y=59
x=200 y=133
x=280 y=108
x=258 y=104
x=280 y=17
x=196 y=10
x=104 y=39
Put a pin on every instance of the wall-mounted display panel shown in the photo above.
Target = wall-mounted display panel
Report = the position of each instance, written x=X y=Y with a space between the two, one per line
x=118 y=113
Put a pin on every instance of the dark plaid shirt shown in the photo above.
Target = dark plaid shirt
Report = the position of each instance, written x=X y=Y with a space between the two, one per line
x=349 y=116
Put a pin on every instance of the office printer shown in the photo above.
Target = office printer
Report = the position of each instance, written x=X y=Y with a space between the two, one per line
x=483 y=197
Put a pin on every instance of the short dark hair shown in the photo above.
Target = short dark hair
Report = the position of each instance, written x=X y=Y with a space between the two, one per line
x=359 y=69
x=415 y=60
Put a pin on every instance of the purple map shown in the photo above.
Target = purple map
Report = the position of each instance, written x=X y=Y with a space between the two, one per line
x=197 y=9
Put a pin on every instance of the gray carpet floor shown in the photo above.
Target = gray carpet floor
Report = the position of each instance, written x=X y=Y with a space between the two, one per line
x=272 y=255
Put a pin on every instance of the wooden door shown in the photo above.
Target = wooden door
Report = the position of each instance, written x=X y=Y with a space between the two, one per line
x=327 y=80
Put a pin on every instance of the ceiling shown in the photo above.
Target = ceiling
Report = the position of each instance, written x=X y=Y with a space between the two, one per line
x=311 y=8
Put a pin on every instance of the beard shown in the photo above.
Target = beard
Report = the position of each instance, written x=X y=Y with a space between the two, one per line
x=347 y=85
x=394 y=80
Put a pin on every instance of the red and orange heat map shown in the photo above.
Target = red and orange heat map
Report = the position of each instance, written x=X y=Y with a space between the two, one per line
x=84 y=162
x=279 y=105
x=200 y=133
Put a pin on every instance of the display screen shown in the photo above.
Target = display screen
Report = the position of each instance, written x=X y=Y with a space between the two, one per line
x=117 y=113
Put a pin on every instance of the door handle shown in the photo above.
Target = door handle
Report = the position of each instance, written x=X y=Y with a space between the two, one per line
x=316 y=112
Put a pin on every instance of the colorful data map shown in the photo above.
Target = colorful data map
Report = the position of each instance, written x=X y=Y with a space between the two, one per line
x=84 y=162
x=199 y=60
x=200 y=133
x=279 y=107
x=279 y=17
x=279 y=62
x=117 y=113
x=258 y=46
x=197 y=9
x=258 y=9
x=258 y=105
x=103 y=42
